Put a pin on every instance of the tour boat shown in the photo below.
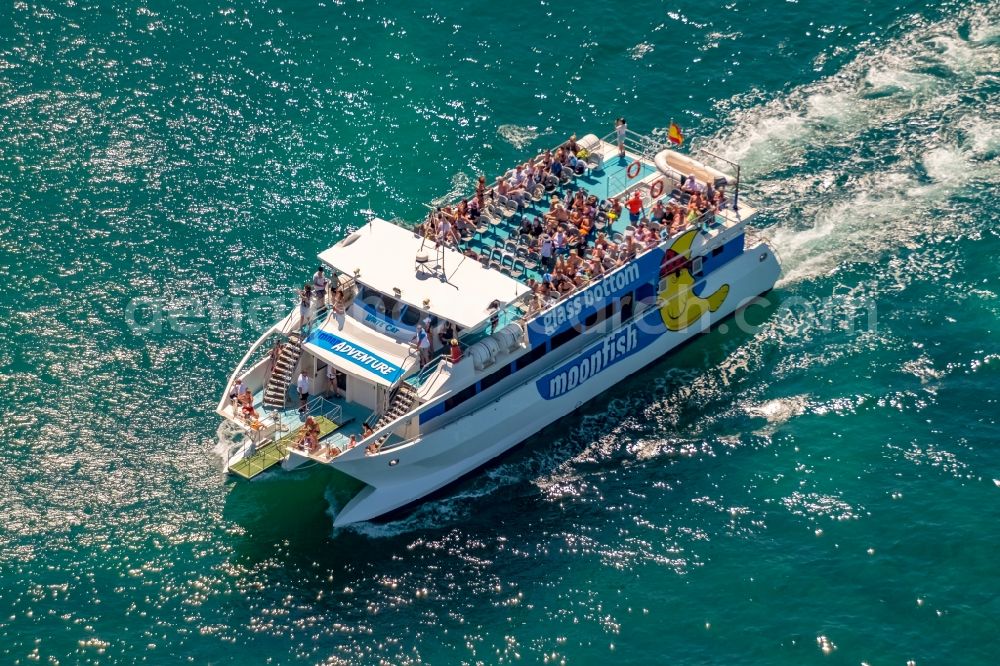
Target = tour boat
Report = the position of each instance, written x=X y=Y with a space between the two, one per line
x=408 y=422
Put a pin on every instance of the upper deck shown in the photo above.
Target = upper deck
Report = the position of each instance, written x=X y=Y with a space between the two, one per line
x=489 y=271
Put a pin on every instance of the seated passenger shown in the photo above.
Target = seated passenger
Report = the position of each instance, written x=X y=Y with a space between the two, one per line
x=614 y=209
x=557 y=214
x=658 y=212
x=571 y=145
x=691 y=184
x=525 y=228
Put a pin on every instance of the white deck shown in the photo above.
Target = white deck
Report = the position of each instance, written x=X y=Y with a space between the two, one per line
x=458 y=288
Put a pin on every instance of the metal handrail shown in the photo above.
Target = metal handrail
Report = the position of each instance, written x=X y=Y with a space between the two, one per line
x=273 y=420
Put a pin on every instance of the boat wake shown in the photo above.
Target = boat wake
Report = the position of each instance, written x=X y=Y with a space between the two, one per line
x=518 y=136
x=228 y=438
x=461 y=185
x=861 y=162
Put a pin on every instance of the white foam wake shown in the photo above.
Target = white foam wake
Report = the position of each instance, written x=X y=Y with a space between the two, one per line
x=518 y=135
x=861 y=162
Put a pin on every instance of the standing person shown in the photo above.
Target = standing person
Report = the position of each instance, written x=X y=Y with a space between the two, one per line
x=303 y=386
x=331 y=378
x=305 y=307
x=546 y=252
x=237 y=390
x=634 y=206
x=422 y=341
x=481 y=191
x=319 y=283
x=620 y=128
x=559 y=241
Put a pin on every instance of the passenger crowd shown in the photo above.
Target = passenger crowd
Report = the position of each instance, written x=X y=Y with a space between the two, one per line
x=570 y=243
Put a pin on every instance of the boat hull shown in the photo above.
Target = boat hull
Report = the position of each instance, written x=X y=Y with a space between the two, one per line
x=404 y=474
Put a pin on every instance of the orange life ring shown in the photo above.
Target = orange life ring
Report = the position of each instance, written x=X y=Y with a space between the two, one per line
x=657 y=189
x=633 y=172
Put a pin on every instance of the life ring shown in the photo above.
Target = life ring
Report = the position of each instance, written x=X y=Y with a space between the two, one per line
x=633 y=172
x=657 y=189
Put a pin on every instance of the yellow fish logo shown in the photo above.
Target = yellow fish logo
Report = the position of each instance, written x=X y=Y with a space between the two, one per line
x=681 y=306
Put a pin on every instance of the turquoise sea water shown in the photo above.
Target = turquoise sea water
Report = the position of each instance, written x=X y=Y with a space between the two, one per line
x=822 y=489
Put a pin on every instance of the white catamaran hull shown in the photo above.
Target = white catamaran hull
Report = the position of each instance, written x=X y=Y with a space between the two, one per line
x=403 y=474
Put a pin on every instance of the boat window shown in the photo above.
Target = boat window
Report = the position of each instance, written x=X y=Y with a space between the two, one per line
x=595 y=318
x=411 y=316
x=532 y=356
x=460 y=397
x=559 y=339
x=389 y=305
x=627 y=305
x=497 y=376
x=646 y=293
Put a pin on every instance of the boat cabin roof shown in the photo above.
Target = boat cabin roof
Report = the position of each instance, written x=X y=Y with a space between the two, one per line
x=395 y=261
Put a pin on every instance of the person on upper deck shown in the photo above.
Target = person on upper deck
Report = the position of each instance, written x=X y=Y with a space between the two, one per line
x=658 y=212
x=620 y=128
x=481 y=191
x=614 y=209
x=446 y=234
x=691 y=184
x=319 y=283
x=634 y=204
x=305 y=306
x=546 y=251
x=571 y=145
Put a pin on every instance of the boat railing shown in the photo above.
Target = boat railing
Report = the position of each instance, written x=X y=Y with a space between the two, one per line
x=224 y=402
x=417 y=379
x=271 y=429
x=383 y=433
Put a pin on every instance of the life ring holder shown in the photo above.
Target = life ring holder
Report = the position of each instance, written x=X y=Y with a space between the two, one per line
x=657 y=189
x=633 y=169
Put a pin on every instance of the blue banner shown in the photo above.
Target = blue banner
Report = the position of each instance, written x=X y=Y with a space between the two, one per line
x=575 y=309
x=355 y=354
x=626 y=342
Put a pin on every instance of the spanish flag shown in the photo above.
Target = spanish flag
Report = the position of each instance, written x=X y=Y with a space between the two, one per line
x=675 y=135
